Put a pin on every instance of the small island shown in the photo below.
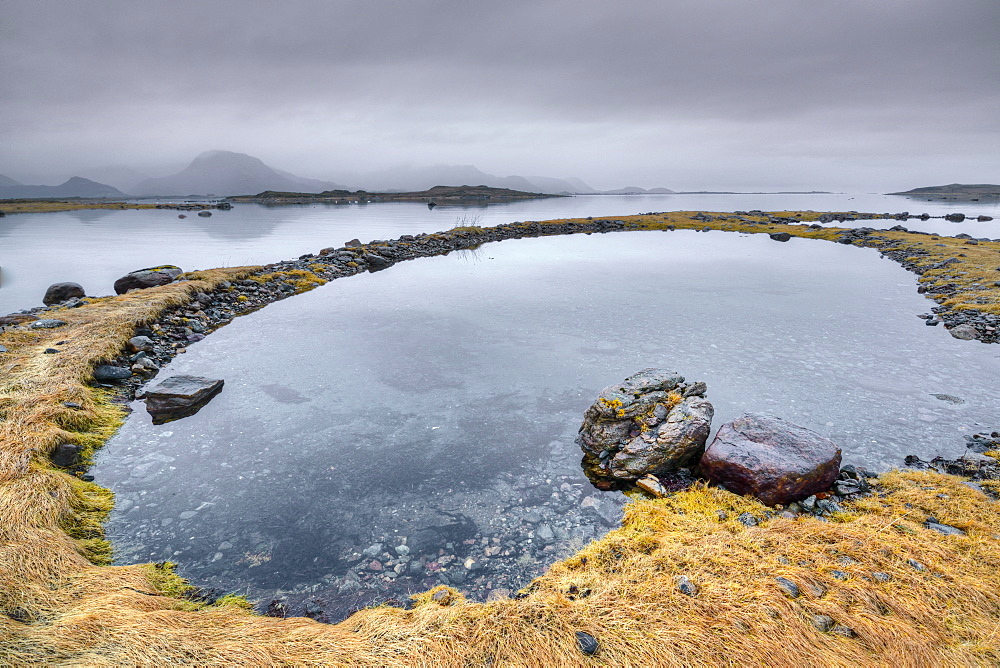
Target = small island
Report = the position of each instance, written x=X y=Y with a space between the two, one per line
x=958 y=191
x=435 y=195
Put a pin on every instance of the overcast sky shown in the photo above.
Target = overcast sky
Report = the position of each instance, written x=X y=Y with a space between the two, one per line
x=869 y=95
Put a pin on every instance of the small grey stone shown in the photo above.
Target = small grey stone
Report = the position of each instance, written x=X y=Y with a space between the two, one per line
x=748 y=520
x=3 y=349
x=373 y=550
x=808 y=503
x=686 y=586
x=107 y=372
x=402 y=550
x=48 y=323
x=788 y=588
x=840 y=575
x=823 y=623
x=965 y=331
x=881 y=577
x=945 y=529
x=916 y=564
x=140 y=343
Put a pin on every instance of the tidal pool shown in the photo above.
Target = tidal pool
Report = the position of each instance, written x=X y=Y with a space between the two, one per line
x=392 y=431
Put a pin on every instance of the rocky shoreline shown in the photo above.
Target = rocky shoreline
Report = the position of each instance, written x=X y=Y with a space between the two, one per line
x=385 y=571
x=882 y=566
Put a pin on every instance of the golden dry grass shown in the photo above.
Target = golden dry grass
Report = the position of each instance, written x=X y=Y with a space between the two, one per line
x=59 y=607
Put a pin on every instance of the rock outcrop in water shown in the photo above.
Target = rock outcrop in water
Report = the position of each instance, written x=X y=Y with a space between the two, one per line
x=651 y=423
x=147 y=278
x=180 y=396
x=58 y=293
x=773 y=460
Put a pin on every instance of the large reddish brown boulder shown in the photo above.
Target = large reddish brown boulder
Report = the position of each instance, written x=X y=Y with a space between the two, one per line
x=773 y=460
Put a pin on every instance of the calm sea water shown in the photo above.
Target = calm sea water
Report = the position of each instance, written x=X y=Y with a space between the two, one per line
x=95 y=247
x=447 y=391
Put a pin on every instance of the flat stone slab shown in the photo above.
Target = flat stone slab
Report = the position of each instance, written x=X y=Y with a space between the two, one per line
x=180 y=396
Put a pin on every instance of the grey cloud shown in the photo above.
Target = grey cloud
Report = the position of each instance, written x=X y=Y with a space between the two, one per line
x=655 y=85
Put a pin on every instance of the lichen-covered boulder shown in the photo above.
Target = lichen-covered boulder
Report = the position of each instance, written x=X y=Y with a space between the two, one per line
x=771 y=459
x=147 y=278
x=57 y=293
x=651 y=423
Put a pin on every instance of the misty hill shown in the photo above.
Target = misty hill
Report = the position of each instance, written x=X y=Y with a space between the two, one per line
x=74 y=187
x=635 y=190
x=7 y=181
x=224 y=173
x=413 y=179
x=957 y=189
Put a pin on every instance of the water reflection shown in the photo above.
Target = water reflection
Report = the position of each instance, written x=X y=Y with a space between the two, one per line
x=392 y=431
x=94 y=248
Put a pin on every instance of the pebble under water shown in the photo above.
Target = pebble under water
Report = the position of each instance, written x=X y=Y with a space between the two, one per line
x=392 y=431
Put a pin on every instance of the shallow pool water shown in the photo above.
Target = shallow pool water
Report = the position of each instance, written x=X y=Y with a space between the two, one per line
x=423 y=417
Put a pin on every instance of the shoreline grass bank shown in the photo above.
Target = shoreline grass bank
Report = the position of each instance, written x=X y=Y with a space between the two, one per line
x=60 y=606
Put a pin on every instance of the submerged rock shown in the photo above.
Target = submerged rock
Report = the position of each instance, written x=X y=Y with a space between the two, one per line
x=180 y=396
x=147 y=278
x=57 y=293
x=653 y=422
x=773 y=460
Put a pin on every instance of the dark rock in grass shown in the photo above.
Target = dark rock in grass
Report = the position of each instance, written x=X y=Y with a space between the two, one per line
x=66 y=455
x=780 y=236
x=587 y=643
x=180 y=396
x=48 y=323
x=649 y=424
x=57 y=293
x=376 y=262
x=945 y=529
x=773 y=460
x=107 y=373
x=147 y=278
x=788 y=588
x=748 y=520
x=17 y=319
x=686 y=586
x=823 y=623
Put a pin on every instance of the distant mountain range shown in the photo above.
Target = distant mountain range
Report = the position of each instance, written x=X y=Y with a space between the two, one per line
x=957 y=189
x=226 y=174
x=74 y=187
x=223 y=173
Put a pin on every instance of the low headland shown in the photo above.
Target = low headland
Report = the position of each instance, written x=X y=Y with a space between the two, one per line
x=956 y=191
x=872 y=583
x=436 y=195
